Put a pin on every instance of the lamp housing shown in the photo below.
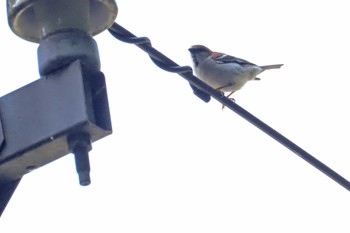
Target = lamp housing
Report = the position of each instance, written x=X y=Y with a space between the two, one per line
x=33 y=20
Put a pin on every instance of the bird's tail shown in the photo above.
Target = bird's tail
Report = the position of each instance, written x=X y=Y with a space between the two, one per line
x=277 y=66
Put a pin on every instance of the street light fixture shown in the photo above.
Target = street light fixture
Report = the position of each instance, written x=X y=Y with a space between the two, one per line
x=33 y=20
x=67 y=108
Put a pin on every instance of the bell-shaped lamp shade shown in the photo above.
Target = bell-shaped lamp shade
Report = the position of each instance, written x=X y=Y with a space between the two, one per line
x=33 y=20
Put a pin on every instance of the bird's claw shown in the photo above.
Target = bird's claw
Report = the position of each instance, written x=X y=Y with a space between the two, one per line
x=232 y=99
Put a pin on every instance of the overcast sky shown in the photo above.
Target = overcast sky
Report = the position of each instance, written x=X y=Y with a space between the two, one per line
x=177 y=164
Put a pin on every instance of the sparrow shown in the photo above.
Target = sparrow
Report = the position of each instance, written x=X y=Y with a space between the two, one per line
x=224 y=72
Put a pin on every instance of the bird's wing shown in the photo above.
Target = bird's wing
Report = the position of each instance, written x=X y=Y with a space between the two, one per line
x=221 y=58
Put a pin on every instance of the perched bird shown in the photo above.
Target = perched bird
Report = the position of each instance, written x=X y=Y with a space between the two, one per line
x=224 y=72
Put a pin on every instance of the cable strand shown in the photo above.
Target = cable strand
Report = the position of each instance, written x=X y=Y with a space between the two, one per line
x=205 y=92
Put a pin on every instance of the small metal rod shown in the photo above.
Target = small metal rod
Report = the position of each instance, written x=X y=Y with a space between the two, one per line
x=80 y=144
x=205 y=92
x=82 y=164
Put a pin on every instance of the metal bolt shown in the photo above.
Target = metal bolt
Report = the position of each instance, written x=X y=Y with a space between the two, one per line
x=81 y=145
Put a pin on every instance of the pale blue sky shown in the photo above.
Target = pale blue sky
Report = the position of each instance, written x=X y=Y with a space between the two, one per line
x=176 y=164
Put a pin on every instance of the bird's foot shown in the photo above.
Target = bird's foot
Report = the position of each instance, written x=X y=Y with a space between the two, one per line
x=232 y=99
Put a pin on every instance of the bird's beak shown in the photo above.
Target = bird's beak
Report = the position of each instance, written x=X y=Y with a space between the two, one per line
x=191 y=50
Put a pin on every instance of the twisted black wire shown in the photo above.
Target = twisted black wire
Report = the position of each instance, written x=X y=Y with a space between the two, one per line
x=204 y=91
x=159 y=59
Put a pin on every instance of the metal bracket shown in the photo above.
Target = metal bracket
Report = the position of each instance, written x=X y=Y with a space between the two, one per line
x=40 y=119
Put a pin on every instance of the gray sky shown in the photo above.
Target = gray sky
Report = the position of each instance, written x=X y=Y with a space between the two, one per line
x=177 y=164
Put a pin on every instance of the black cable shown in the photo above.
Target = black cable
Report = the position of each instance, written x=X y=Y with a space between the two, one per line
x=204 y=91
x=159 y=59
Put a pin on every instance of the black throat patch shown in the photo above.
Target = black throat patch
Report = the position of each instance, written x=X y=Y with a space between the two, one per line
x=194 y=58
